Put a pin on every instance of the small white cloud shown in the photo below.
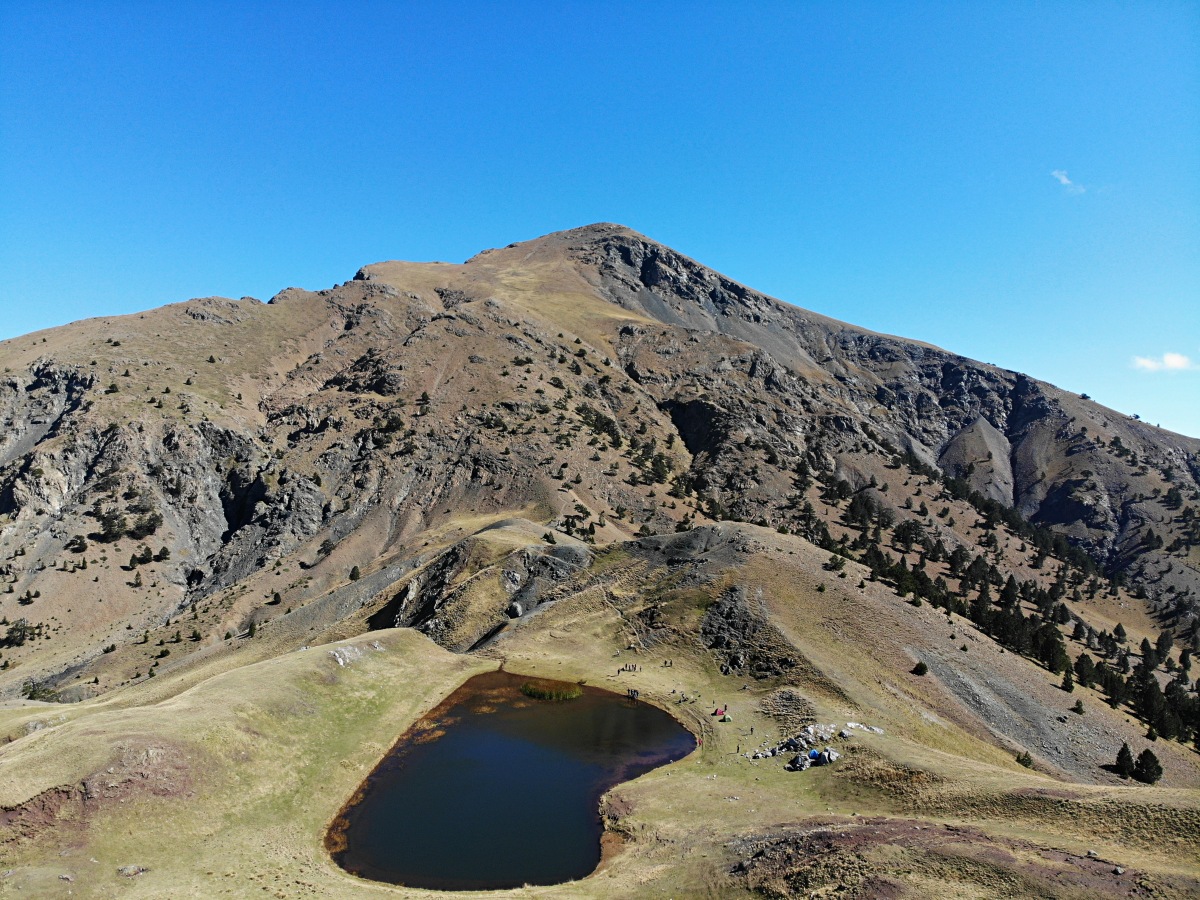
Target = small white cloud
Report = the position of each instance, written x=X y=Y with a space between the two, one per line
x=1175 y=362
x=1060 y=175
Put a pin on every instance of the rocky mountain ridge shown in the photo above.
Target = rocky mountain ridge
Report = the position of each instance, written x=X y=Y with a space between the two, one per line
x=248 y=458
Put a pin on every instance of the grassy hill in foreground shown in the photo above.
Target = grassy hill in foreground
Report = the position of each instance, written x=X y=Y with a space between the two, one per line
x=246 y=767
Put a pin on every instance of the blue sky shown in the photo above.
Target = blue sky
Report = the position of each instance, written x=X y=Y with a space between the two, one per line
x=1017 y=182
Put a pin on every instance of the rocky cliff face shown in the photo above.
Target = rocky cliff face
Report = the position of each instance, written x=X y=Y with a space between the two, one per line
x=245 y=457
x=798 y=381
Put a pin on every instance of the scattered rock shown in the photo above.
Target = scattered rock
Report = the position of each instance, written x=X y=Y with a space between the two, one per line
x=344 y=656
x=131 y=871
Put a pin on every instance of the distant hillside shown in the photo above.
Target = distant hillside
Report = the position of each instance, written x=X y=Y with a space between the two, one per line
x=211 y=464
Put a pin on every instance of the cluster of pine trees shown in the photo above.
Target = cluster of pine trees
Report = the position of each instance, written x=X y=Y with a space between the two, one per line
x=1145 y=769
x=1173 y=712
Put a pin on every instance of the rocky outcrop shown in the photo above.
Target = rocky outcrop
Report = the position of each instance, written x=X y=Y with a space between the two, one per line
x=745 y=639
x=981 y=454
x=797 y=384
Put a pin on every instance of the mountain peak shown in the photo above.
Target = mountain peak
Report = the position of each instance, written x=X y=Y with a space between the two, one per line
x=570 y=238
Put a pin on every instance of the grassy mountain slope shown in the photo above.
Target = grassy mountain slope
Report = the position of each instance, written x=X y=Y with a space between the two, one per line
x=567 y=453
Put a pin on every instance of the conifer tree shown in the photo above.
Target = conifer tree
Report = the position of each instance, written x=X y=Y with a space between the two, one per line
x=1149 y=656
x=1147 y=770
x=1125 y=764
x=1085 y=670
x=1163 y=645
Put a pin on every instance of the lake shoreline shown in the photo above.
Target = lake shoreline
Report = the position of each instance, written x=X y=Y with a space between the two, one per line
x=613 y=755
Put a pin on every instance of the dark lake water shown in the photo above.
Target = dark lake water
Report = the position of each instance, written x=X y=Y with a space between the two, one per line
x=493 y=790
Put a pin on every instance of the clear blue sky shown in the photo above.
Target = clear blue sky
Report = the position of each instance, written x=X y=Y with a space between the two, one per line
x=890 y=164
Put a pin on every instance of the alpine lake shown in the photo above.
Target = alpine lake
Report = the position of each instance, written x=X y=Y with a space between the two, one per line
x=499 y=785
